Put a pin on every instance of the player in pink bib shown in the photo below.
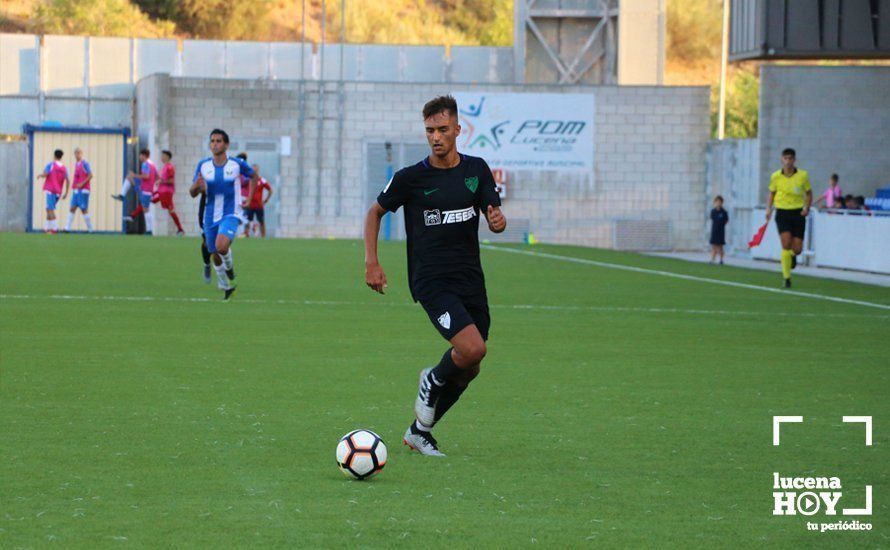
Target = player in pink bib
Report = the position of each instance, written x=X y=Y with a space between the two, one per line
x=147 y=179
x=166 y=189
x=56 y=175
x=80 y=193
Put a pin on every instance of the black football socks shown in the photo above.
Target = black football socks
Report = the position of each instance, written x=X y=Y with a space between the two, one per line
x=449 y=396
x=205 y=254
x=445 y=370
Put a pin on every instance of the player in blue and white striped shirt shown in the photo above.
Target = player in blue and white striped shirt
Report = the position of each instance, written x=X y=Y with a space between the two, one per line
x=219 y=177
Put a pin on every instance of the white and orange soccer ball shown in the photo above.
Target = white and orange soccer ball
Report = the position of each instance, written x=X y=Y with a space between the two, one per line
x=361 y=454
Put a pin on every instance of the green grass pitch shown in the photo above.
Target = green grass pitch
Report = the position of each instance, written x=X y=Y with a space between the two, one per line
x=615 y=408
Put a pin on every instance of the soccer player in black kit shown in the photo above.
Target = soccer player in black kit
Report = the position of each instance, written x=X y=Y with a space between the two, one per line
x=443 y=196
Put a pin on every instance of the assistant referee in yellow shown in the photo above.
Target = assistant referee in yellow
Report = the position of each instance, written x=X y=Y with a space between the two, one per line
x=791 y=195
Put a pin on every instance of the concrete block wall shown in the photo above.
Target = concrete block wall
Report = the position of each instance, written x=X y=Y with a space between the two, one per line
x=13 y=186
x=649 y=152
x=837 y=118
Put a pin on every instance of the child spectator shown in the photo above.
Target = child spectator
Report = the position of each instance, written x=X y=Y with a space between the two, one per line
x=832 y=195
x=719 y=219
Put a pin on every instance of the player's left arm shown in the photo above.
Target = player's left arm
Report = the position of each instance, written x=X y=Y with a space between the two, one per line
x=809 y=199
x=497 y=222
x=89 y=170
x=807 y=204
x=67 y=185
x=268 y=194
x=254 y=181
x=247 y=170
x=491 y=202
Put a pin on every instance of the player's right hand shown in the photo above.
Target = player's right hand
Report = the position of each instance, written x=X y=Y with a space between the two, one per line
x=768 y=215
x=375 y=278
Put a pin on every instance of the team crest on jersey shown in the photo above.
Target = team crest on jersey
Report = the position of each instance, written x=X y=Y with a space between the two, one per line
x=432 y=217
x=445 y=320
x=472 y=183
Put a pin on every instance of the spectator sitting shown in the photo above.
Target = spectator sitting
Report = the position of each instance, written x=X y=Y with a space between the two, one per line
x=862 y=206
x=832 y=195
x=853 y=203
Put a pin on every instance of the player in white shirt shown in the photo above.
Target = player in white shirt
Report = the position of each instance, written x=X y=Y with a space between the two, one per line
x=219 y=177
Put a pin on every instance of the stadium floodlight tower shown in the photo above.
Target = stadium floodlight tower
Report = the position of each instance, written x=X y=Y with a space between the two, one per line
x=559 y=41
x=589 y=41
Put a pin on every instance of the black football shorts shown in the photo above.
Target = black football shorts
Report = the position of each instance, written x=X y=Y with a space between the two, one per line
x=790 y=221
x=450 y=313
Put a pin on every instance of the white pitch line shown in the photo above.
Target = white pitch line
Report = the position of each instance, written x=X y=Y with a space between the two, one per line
x=533 y=307
x=686 y=277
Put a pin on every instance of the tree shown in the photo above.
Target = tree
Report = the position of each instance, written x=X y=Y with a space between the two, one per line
x=742 y=104
x=224 y=19
x=96 y=18
x=694 y=30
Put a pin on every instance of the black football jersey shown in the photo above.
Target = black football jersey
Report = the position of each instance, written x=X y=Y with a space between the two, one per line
x=442 y=209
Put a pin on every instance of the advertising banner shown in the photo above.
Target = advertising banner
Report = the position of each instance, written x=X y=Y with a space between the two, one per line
x=526 y=131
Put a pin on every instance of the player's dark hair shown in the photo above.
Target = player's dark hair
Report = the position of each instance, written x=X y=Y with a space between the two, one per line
x=441 y=104
x=58 y=154
x=242 y=156
x=789 y=151
x=168 y=153
x=224 y=135
x=834 y=178
x=718 y=198
x=145 y=152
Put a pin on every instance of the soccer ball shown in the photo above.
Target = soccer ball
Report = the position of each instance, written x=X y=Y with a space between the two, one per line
x=361 y=454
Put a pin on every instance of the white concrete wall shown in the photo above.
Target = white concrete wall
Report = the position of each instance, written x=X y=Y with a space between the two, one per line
x=13 y=185
x=733 y=174
x=649 y=161
x=837 y=118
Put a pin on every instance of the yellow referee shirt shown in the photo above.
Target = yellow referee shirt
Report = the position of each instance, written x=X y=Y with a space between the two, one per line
x=790 y=191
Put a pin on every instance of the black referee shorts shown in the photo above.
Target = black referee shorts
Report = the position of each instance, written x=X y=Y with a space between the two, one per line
x=790 y=221
x=451 y=313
